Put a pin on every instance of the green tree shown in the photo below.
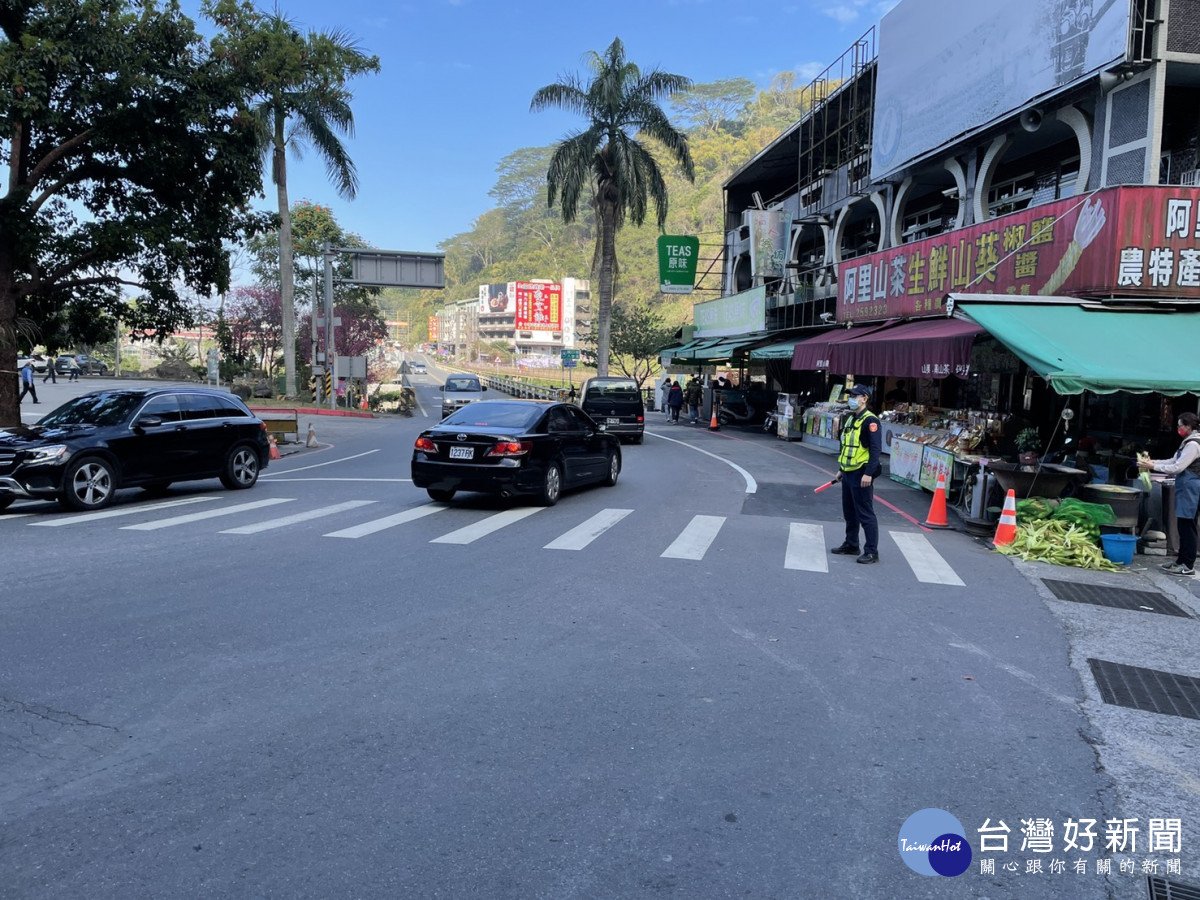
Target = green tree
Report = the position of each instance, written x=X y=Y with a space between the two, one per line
x=638 y=334
x=716 y=105
x=127 y=159
x=303 y=100
x=620 y=106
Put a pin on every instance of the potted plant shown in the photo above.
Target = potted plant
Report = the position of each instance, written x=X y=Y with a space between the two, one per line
x=1029 y=443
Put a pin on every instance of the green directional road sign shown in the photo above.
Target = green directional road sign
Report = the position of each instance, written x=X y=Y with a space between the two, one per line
x=569 y=354
x=677 y=258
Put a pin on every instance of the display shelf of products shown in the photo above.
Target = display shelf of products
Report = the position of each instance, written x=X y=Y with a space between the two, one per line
x=823 y=424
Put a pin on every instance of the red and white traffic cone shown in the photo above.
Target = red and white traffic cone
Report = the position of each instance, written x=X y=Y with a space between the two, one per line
x=937 y=508
x=1006 y=530
x=274 y=449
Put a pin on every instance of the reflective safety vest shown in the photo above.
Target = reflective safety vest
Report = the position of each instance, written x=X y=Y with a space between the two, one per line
x=854 y=455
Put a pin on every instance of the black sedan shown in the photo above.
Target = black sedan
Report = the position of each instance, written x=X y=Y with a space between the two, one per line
x=515 y=447
x=95 y=444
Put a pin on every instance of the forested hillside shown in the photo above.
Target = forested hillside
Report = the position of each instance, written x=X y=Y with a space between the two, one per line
x=727 y=124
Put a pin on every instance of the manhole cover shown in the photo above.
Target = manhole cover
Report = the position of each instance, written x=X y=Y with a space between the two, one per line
x=1161 y=889
x=1147 y=689
x=794 y=501
x=1116 y=598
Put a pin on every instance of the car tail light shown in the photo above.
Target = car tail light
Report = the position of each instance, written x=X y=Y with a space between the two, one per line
x=263 y=426
x=511 y=448
x=426 y=445
x=641 y=418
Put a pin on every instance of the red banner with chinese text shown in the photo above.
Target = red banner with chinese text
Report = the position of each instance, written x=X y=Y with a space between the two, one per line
x=539 y=306
x=1119 y=242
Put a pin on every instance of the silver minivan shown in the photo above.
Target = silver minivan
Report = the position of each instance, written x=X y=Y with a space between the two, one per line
x=459 y=390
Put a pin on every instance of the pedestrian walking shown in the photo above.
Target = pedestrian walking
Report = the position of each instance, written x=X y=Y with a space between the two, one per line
x=50 y=373
x=694 y=397
x=74 y=369
x=1185 y=466
x=674 y=402
x=664 y=391
x=27 y=385
x=859 y=465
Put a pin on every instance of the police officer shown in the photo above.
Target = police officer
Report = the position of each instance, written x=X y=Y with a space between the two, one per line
x=859 y=465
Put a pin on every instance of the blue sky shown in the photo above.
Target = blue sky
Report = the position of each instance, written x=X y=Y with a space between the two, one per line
x=457 y=76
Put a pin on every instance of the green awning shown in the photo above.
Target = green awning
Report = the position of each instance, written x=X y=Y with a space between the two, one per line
x=781 y=350
x=1082 y=346
x=719 y=352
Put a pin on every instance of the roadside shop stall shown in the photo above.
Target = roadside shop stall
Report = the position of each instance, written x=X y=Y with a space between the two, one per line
x=1085 y=347
x=946 y=425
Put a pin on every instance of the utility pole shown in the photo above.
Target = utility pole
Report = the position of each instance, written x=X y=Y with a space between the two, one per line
x=330 y=354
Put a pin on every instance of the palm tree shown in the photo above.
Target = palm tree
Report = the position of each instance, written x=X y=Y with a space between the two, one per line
x=304 y=101
x=620 y=105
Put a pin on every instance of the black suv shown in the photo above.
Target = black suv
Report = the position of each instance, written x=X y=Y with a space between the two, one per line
x=86 y=450
x=616 y=403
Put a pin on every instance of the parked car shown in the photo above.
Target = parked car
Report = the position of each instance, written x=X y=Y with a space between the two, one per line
x=459 y=390
x=515 y=447
x=64 y=365
x=90 y=365
x=92 y=446
x=38 y=363
x=616 y=403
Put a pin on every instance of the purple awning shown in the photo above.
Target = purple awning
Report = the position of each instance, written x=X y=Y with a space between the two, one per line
x=926 y=348
x=818 y=352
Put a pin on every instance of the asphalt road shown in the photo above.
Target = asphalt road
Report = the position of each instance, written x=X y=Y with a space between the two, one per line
x=330 y=687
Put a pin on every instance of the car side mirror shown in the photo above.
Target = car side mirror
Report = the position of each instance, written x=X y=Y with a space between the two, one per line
x=148 y=422
x=441 y=387
x=483 y=387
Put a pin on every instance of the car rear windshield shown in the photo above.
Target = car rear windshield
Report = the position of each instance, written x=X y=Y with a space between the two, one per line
x=613 y=390
x=107 y=408
x=462 y=384
x=495 y=415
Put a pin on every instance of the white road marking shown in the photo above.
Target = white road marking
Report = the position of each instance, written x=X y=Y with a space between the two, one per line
x=123 y=511
x=926 y=563
x=317 y=465
x=486 y=526
x=582 y=535
x=381 y=480
x=400 y=518
x=751 y=484
x=298 y=517
x=806 y=548
x=693 y=542
x=207 y=514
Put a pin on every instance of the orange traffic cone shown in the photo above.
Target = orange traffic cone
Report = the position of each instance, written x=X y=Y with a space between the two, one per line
x=937 y=508
x=274 y=449
x=1006 y=531
x=714 y=425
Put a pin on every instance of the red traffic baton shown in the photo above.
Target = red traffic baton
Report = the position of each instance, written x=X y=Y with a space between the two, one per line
x=826 y=485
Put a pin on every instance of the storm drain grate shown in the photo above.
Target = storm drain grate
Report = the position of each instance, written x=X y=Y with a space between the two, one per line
x=1115 y=598
x=1147 y=689
x=1161 y=889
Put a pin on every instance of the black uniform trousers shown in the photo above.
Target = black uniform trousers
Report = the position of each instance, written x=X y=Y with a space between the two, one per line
x=858 y=509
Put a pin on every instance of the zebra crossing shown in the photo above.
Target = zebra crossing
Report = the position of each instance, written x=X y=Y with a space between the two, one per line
x=807 y=548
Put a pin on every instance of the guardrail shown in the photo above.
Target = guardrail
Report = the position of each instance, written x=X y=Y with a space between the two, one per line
x=523 y=389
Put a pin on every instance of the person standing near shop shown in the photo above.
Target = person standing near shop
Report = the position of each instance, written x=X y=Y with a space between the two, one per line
x=1185 y=466
x=859 y=465
x=694 y=397
x=674 y=402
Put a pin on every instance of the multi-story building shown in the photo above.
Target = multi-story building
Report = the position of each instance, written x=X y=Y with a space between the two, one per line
x=538 y=317
x=1044 y=152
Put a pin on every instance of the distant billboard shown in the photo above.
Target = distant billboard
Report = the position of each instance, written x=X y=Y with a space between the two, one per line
x=539 y=306
x=497 y=299
x=946 y=67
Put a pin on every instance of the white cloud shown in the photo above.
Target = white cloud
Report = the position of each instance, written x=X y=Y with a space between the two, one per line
x=806 y=72
x=842 y=12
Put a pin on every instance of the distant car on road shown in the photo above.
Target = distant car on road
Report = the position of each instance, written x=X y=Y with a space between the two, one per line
x=92 y=446
x=459 y=390
x=515 y=447
x=417 y=368
x=617 y=403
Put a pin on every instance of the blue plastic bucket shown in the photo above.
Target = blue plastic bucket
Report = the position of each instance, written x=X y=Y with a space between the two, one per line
x=1118 y=548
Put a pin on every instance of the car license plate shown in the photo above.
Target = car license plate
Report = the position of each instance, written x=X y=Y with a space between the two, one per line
x=462 y=453
x=612 y=421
